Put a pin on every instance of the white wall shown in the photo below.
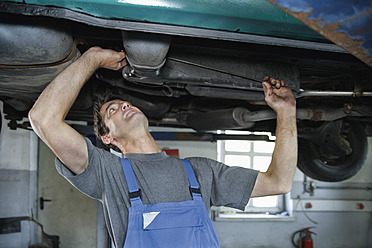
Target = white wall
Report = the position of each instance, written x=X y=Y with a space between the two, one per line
x=19 y=194
x=15 y=148
x=18 y=180
x=70 y=214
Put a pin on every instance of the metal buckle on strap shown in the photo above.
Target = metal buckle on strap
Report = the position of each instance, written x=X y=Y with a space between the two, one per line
x=135 y=194
x=195 y=190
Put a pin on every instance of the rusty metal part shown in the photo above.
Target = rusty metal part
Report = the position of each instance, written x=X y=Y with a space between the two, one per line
x=324 y=114
x=319 y=114
x=301 y=114
x=346 y=23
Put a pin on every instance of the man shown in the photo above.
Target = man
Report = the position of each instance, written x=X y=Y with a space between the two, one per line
x=161 y=178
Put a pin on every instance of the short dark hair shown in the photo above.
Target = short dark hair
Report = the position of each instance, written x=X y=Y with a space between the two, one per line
x=99 y=125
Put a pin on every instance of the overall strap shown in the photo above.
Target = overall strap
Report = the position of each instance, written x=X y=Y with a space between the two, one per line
x=194 y=187
x=134 y=192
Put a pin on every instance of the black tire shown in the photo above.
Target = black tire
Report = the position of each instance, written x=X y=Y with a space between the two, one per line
x=313 y=163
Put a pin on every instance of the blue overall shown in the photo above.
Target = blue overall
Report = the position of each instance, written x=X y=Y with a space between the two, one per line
x=177 y=224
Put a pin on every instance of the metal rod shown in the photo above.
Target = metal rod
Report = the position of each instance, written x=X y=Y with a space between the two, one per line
x=212 y=137
x=333 y=93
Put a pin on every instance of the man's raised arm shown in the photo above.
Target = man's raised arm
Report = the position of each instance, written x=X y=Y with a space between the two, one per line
x=279 y=176
x=49 y=112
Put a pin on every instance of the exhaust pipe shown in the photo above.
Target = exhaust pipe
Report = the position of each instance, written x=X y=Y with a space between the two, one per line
x=321 y=114
x=240 y=118
x=220 y=119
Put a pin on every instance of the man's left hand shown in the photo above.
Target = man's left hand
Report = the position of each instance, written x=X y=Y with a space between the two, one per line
x=278 y=95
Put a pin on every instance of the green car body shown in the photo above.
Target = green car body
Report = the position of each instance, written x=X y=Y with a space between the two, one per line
x=239 y=16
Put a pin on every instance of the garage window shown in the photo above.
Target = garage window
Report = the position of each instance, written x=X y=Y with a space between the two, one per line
x=255 y=155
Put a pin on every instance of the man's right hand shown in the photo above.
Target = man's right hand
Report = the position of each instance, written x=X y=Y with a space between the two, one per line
x=106 y=58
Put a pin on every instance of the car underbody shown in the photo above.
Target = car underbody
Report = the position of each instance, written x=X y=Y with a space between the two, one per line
x=206 y=80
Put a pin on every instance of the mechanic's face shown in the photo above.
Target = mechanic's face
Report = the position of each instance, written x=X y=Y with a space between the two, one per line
x=121 y=117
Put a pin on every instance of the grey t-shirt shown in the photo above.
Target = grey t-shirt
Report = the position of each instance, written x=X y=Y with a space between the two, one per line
x=161 y=178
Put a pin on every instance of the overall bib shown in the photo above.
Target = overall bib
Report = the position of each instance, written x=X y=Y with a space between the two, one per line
x=179 y=224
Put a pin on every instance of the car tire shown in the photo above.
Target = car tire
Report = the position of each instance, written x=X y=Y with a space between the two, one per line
x=312 y=162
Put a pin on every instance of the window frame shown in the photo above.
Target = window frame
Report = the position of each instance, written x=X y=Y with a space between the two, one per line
x=251 y=211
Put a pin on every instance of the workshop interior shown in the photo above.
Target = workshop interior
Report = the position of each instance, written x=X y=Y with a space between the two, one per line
x=195 y=69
